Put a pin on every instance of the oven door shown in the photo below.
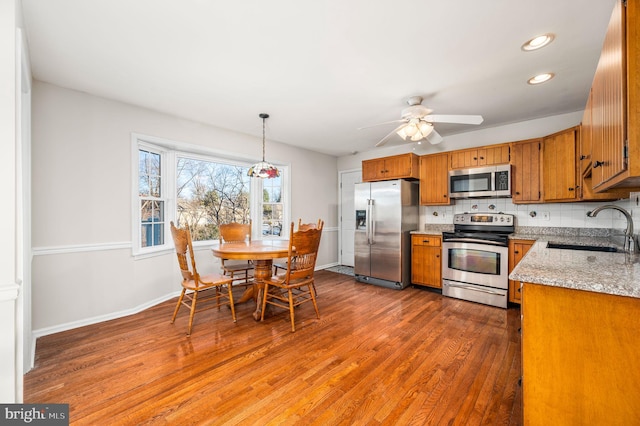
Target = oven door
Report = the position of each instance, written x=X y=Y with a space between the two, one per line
x=476 y=263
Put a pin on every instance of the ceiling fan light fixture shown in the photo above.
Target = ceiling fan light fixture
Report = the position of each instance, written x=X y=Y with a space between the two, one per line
x=402 y=133
x=538 y=42
x=410 y=130
x=263 y=169
x=425 y=128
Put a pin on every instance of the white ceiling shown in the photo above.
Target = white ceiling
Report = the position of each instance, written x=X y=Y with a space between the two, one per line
x=321 y=69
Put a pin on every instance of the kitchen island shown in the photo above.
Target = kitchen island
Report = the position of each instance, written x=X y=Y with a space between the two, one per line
x=580 y=335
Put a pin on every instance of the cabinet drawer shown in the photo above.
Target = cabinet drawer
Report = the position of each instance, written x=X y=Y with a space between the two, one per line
x=426 y=240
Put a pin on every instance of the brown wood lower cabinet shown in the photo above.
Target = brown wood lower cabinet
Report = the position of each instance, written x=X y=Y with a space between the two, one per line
x=517 y=250
x=580 y=357
x=426 y=266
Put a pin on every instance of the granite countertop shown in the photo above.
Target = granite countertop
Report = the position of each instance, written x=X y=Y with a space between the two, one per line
x=601 y=272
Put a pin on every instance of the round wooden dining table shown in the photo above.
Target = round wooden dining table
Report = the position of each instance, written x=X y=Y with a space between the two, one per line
x=262 y=253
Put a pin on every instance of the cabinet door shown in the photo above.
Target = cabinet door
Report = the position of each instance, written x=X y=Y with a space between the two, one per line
x=464 y=158
x=426 y=268
x=517 y=250
x=609 y=103
x=434 y=177
x=525 y=171
x=397 y=166
x=584 y=153
x=492 y=155
x=559 y=166
x=373 y=169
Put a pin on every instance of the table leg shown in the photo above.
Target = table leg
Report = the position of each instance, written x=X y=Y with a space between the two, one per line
x=263 y=270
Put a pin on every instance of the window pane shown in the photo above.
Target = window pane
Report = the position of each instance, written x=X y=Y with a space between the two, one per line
x=209 y=194
x=149 y=174
x=152 y=227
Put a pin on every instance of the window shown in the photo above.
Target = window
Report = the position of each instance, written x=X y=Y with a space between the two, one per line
x=210 y=193
x=200 y=190
x=151 y=202
x=272 y=208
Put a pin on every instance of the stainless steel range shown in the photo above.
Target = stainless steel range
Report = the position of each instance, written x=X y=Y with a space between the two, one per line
x=475 y=258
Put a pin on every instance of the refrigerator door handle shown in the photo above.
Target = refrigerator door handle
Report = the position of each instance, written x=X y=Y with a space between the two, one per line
x=371 y=225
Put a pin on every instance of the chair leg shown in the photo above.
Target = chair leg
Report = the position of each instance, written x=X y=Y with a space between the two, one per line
x=175 y=312
x=233 y=309
x=312 y=289
x=194 y=299
x=293 y=324
x=265 y=290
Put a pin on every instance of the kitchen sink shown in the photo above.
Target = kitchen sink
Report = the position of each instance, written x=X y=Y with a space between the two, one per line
x=609 y=249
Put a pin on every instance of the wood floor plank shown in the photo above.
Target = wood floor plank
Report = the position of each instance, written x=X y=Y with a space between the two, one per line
x=376 y=356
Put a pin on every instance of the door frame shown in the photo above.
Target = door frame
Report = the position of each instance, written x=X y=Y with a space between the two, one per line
x=341 y=212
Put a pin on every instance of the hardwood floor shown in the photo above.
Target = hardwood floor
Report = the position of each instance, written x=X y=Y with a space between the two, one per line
x=376 y=357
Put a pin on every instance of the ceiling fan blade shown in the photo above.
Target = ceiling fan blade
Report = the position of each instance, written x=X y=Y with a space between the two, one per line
x=461 y=119
x=434 y=137
x=386 y=122
x=384 y=140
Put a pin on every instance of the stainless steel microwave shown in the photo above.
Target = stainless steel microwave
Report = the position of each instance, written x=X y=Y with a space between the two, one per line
x=478 y=182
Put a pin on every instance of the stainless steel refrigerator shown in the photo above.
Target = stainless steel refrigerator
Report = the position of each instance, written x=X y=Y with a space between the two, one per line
x=386 y=212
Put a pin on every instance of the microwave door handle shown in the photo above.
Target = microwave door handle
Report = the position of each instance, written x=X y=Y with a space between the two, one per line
x=493 y=181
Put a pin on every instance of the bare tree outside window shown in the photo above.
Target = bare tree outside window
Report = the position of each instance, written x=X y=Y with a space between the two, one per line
x=209 y=194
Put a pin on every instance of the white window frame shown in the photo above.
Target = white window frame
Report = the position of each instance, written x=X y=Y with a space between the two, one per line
x=169 y=151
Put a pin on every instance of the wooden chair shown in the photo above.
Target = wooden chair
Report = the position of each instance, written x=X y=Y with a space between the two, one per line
x=296 y=285
x=236 y=232
x=193 y=284
x=301 y=227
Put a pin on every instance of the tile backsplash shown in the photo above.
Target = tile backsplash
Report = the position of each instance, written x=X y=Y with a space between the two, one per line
x=566 y=215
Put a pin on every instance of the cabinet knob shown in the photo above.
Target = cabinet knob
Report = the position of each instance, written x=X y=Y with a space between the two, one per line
x=437 y=255
x=425 y=241
x=598 y=164
x=583 y=157
x=475 y=158
x=445 y=195
x=570 y=189
x=516 y=252
x=482 y=158
x=517 y=193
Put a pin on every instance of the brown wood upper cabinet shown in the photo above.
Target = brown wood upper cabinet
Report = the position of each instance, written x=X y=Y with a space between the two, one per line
x=478 y=157
x=403 y=166
x=559 y=175
x=615 y=103
x=434 y=177
x=526 y=163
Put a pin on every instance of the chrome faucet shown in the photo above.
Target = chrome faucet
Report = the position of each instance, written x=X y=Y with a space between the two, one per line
x=630 y=242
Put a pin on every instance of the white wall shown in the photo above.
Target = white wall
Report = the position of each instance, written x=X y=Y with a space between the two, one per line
x=83 y=271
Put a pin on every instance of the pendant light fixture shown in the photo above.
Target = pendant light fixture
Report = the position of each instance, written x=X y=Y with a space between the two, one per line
x=263 y=169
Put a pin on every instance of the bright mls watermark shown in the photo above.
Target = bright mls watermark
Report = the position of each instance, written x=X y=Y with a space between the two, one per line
x=34 y=414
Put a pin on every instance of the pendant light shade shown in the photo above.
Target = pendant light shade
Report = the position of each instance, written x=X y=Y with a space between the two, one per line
x=263 y=169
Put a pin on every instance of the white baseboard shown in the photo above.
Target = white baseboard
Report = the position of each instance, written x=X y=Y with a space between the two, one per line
x=101 y=318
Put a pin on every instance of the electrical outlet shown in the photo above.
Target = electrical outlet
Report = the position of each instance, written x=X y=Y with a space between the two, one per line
x=544 y=215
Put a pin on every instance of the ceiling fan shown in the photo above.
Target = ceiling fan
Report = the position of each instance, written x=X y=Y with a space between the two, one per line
x=417 y=123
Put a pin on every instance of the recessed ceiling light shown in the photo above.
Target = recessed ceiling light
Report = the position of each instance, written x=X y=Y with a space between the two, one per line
x=538 y=42
x=541 y=78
